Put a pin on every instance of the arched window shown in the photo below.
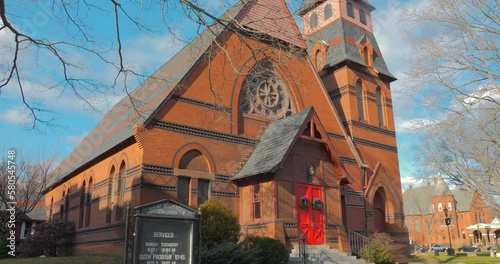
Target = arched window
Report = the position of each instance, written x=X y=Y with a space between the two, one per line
x=110 y=194
x=313 y=20
x=350 y=10
x=362 y=16
x=119 y=191
x=359 y=96
x=417 y=225
x=88 y=204
x=82 y=206
x=380 y=107
x=328 y=11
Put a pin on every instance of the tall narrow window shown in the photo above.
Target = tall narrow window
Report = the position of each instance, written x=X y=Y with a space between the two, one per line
x=313 y=20
x=443 y=235
x=61 y=206
x=183 y=190
x=366 y=59
x=51 y=205
x=256 y=201
x=88 y=204
x=328 y=11
x=82 y=205
x=203 y=187
x=380 y=108
x=417 y=225
x=66 y=206
x=362 y=16
x=119 y=191
x=319 y=60
x=359 y=96
x=110 y=194
x=350 y=9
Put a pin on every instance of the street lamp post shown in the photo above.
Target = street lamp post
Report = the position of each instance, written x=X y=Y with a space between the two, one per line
x=447 y=221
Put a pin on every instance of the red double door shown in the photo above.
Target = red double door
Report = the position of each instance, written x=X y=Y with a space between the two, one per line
x=310 y=219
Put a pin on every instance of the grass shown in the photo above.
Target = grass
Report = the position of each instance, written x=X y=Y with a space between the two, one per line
x=444 y=258
x=84 y=259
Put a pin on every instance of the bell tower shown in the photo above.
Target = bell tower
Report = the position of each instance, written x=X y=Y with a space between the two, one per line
x=344 y=51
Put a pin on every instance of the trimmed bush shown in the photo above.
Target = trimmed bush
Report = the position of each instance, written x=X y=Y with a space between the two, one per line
x=230 y=253
x=4 y=250
x=271 y=250
x=48 y=239
x=375 y=254
x=219 y=224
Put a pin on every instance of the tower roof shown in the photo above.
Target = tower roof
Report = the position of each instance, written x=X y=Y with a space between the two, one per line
x=310 y=4
x=345 y=48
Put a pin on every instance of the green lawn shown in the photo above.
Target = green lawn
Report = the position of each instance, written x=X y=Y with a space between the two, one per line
x=484 y=258
x=86 y=259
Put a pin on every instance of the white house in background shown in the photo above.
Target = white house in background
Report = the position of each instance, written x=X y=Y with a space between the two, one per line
x=490 y=232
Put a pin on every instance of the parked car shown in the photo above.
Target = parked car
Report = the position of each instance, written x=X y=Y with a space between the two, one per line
x=438 y=247
x=494 y=248
x=469 y=249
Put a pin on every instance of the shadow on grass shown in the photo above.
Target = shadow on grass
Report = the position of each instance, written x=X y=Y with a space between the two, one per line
x=84 y=259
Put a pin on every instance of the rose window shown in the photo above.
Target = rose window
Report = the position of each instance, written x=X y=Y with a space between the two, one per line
x=265 y=94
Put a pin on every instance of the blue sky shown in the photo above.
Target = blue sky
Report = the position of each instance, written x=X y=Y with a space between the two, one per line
x=146 y=51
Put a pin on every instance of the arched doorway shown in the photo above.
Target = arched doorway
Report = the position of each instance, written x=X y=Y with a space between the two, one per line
x=497 y=235
x=379 y=210
x=477 y=236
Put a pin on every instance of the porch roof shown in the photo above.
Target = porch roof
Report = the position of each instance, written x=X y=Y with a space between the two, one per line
x=273 y=146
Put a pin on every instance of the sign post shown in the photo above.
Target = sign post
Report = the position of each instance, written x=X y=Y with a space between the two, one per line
x=164 y=233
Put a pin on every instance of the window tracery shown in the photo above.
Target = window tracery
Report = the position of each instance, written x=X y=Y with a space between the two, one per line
x=265 y=94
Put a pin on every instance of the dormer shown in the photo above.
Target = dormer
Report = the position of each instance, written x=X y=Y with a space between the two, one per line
x=317 y=14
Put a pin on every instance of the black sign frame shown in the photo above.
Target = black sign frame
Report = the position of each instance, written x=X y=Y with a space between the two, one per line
x=164 y=233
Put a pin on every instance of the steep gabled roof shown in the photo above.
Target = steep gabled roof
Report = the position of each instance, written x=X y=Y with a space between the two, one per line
x=418 y=201
x=273 y=18
x=463 y=199
x=117 y=126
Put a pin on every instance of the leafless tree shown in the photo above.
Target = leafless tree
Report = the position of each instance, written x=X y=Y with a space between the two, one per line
x=454 y=74
x=418 y=208
x=31 y=171
x=78 y=38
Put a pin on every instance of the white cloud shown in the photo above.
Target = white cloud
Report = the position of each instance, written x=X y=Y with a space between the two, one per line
x=414 y=125
x=17 y=116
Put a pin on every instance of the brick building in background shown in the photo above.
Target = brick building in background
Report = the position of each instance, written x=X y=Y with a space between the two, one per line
x=425 y=218
x=257 y=121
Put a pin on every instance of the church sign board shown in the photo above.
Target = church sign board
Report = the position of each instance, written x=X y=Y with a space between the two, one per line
x=164 y=233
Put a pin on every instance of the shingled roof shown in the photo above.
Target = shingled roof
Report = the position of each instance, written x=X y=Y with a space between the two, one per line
x=273 y=146
x=117 y=126
x=344 y=50
x=418 y=201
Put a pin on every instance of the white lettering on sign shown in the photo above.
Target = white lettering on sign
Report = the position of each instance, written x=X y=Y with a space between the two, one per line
x=164 y=235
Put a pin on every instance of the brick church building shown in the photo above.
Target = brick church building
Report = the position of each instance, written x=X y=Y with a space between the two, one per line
x=255 y=114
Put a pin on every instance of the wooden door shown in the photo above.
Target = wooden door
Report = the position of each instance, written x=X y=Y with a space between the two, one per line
x=310 y=220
